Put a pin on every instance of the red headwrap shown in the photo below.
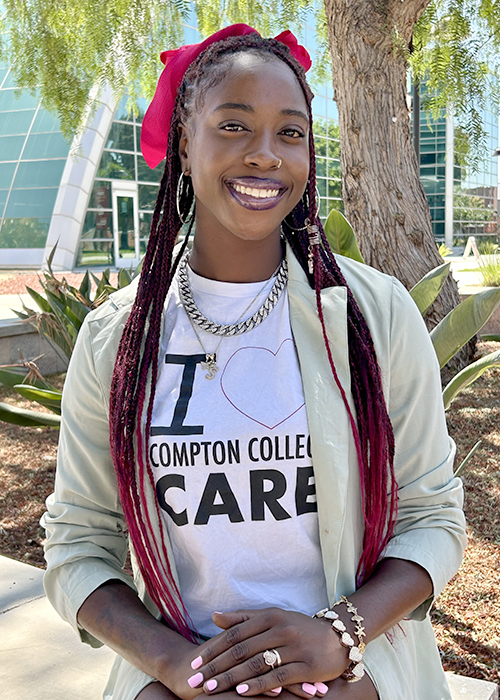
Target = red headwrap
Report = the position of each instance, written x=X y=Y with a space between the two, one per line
x=156 y=123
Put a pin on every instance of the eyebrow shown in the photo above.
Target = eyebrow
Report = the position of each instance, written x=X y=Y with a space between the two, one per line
x=244 y=107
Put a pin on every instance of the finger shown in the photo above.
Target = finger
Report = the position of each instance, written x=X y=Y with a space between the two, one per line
x=235 y=638
x=321 y=689
x=303 y=690
x=224 y=673
x=307 y=690
x=248 y=683
x=225 y=620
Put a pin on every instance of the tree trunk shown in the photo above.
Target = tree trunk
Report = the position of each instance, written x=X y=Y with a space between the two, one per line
x=383 y=197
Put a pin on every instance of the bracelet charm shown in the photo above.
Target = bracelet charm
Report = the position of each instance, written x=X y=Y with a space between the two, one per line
x=356 y=670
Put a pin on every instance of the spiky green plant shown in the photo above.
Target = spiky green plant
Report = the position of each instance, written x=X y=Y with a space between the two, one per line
x=60 y=314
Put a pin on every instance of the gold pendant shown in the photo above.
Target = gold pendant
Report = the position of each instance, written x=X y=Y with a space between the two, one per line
x=210 y=365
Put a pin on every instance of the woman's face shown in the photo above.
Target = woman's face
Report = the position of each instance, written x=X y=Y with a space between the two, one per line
x=248 y=150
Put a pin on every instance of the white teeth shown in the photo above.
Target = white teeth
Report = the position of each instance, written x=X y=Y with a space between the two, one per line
x=254 y=192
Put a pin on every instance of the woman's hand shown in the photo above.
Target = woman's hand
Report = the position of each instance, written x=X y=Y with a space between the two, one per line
x=310 y=652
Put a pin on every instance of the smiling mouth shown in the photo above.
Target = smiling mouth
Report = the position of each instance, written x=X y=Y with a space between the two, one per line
x=255 y=193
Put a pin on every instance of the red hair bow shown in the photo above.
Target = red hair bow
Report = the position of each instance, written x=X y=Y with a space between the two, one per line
x=156 y=123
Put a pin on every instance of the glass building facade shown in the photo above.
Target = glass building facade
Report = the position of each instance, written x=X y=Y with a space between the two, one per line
x=33 y=155
x=463 y=201
x=97 y=207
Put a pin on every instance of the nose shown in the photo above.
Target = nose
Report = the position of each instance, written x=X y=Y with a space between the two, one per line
x=262 y=154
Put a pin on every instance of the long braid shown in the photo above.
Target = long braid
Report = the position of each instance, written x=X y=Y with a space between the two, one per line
x=137 y=358
x=372 y=429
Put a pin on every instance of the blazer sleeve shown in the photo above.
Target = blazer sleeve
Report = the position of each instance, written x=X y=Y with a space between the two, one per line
x=430 y=527
x=86 y=541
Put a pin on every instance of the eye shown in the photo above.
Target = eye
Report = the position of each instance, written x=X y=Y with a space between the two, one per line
x=293 y=133
x=232 y=126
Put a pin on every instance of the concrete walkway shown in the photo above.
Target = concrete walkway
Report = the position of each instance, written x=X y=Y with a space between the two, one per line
x=41 y=658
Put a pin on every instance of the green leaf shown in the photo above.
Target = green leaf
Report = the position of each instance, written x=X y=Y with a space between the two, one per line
x=468 y=375
x=424 y=293
x=45 y=397
x=341 y=236
x=51 y=257
x=85 y=286
x=462 y=323
x=22 y=416
x=101 y=283
x=41 y=301
x=13 y=375
x=124 y=278
x=468 y=458
x=491 y=337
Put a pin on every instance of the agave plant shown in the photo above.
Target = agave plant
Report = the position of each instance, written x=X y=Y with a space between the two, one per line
x=61 y=312
x=453 y=331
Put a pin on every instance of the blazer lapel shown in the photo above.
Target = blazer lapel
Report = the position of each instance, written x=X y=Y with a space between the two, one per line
x=327 y=417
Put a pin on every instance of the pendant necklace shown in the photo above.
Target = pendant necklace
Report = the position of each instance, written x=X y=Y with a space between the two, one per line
x=196 y=318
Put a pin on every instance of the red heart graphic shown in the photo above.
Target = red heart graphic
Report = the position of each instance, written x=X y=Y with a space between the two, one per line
x=264 y=399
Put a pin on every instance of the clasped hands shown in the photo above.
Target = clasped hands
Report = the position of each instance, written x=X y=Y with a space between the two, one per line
x=309 y=649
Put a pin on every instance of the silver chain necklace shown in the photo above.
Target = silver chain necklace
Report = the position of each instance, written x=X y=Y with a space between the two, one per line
x=196 y=318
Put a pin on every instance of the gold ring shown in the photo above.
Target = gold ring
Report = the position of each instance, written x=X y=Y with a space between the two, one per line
x=272 y=658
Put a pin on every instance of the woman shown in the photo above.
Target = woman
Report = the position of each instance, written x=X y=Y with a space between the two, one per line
x=291 y=447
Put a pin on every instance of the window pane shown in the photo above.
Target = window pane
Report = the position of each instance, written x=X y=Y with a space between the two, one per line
x=321 y=167
x=42 y=173
x=147 y=196
x=142 y=105
x=321 y=185
x=10 y=147
x=44 y=121
x=39 y=146
x=122 y=112
x=334 y=188
x=121 y=137
x=144 y=229
x=92 y=253
x=144 y=172
x=100 y=197
x=334 y=168
x=98 y=224
x=9 y=101
x=320 y=146
x=333 y=149
x=119 y=166
x=24 y=233
x=31 y=203
x=6 y=175
x=16 y=122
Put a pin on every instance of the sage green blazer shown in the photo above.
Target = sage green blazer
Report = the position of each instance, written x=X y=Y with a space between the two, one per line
x=86 y=531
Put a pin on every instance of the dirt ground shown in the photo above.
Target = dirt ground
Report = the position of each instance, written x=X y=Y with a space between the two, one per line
x=466 y=616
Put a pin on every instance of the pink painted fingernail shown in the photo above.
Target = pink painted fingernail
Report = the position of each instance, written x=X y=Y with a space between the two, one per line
x=218 y=612
x=211 y=684
x=321 y=687
x=195 y=680
x=196 y=663
x=276 y=690
x=242 y=688
x=309 y=689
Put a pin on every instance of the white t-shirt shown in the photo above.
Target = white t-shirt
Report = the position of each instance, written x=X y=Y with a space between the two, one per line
x=231 y=459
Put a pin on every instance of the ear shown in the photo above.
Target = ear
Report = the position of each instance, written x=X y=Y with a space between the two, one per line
x=183 y=147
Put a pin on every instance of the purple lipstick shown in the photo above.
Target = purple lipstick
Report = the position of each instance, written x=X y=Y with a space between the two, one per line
x=256 y=193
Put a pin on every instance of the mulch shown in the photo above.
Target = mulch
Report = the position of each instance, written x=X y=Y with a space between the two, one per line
x=466 y=616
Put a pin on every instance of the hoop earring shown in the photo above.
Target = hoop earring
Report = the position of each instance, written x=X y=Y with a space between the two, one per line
x=184 y=195
x=305 y=204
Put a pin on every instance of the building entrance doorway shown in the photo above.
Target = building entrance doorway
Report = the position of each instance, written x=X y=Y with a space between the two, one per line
x=125 y=224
